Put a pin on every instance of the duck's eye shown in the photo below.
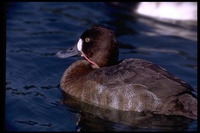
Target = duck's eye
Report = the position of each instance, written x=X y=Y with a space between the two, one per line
x=87 y=39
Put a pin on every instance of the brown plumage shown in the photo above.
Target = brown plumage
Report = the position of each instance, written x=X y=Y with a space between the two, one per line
x=131 y=84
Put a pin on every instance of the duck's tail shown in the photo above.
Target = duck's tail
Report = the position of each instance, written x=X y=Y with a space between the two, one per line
x=183 y=104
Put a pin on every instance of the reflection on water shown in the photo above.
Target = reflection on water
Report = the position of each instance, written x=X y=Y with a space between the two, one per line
x=186 y=29
x=32 y=101
x=93 y=118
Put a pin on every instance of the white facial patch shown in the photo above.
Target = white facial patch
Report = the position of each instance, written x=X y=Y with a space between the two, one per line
x=79 y=45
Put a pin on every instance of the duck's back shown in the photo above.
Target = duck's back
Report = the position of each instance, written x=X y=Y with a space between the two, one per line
x=133 y=84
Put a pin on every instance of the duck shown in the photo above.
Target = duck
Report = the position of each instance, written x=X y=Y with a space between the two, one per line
x=132 y=84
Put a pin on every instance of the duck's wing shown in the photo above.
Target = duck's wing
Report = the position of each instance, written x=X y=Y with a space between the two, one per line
x=140 y=72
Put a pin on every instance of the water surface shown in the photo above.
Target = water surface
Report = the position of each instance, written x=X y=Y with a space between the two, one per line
x=35 y=31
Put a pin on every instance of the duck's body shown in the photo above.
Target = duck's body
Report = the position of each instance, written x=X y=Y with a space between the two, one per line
x=131 y=85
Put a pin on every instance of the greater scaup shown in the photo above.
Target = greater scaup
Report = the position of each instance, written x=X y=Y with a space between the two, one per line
x=130 y=85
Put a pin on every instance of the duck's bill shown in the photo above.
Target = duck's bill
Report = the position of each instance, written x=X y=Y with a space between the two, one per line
x=68 y=53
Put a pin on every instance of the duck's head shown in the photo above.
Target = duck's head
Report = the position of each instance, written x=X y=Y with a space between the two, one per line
x=97 y=45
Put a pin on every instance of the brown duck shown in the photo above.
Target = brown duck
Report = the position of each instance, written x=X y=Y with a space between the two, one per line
x=130 y=85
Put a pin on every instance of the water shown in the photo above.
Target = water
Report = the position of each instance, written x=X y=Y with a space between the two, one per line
x=35 y=31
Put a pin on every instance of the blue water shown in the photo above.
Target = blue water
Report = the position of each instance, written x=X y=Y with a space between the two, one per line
x=35 y=31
